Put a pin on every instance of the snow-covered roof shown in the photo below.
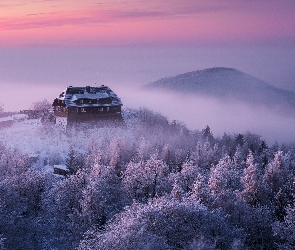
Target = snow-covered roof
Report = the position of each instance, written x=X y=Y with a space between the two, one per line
x=71 y=95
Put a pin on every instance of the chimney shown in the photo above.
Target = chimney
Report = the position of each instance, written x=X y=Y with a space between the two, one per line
x=88 y=89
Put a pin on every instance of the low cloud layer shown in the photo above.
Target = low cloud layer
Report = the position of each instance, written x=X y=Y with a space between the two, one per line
x=194 y=111
x=29 y=75
x=222 y=117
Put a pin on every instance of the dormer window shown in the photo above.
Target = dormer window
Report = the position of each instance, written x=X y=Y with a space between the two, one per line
x=81 y=101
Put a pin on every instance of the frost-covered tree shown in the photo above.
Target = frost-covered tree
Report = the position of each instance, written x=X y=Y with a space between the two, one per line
x=62 y=223
x=74 y=161
x=285 y=230
x=187 y=176
x=264 y=154
x=20 y=208
x=115 y=154
x=277 y=181
x=223 y=177
x=259 y=229
x=44 y=105
x=251 y=142
x=200 y=190
x=144 y=180
x=204 y=155
x=13 y=162
x=207 y=134
x=1 y=108
x=252 y=192
x=92 y=155
x=137 y=237
x=238 y=159
x=102 y=197
x=170 y=223
x=177 y=192
x=144 y=150
x=275 y=174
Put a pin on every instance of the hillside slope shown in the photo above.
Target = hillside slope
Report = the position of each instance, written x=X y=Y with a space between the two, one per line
x=228 y=84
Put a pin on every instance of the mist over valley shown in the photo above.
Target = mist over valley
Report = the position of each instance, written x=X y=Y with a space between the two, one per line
x=229 y=100
x=226 y=99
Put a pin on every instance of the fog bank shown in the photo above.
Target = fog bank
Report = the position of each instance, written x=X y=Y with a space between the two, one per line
x=195 y=111
x=33 y=74
x=222 y=117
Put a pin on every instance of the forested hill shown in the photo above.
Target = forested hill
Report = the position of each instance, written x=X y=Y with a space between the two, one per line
x=151 y=184
x=228 y=83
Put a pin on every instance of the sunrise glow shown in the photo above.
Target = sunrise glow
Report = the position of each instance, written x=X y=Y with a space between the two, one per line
x=72 y=23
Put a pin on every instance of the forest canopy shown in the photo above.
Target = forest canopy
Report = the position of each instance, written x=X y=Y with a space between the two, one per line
x=150 y=184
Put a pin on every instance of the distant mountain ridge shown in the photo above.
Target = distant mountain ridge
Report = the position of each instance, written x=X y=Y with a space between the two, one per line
x=227 y=83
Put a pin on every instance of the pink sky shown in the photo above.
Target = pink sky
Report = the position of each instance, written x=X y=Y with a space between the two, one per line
x=145 y=22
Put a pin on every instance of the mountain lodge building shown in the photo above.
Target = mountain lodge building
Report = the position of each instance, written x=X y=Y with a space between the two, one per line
x=76 y=104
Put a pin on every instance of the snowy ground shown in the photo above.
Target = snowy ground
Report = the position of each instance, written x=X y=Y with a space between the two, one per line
x=32 y=138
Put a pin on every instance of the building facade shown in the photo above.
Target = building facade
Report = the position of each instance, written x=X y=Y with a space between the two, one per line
x=80 y=104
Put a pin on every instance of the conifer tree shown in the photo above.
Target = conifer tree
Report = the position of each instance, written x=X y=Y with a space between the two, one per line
x=252 y=189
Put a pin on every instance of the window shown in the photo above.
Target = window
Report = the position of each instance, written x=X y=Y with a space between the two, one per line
x=108 y=108
x=100 y=109
x=83 y=110
x=81 y=101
